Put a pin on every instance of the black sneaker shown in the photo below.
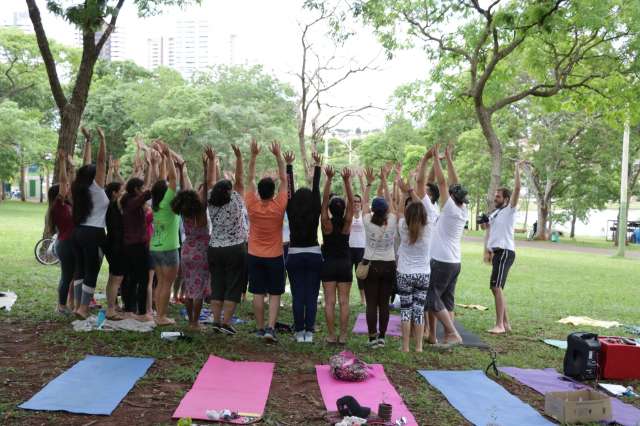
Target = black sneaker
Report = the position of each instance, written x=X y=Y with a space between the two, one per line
x=228 y=329
x=270 y=335
x=260 y=333
x=216 y=327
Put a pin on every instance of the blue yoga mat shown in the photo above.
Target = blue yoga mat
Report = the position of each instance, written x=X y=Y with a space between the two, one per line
x=481 y=400
x=95 y=385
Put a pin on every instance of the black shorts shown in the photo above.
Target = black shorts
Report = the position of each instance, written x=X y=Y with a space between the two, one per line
x=266 y=275
x=227 y=266
x=337 y=269
x=116 y=259
x=357 y=253
x=442 y=286
x=502 y=261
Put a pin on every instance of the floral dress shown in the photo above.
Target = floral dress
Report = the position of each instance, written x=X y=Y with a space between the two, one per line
x=195 y=270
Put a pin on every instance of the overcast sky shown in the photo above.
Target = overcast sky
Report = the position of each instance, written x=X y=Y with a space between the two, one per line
x=266 y=32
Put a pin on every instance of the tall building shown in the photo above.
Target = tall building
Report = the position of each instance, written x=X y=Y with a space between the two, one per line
x=17 y=19
x=188 y=49
x=155 y=52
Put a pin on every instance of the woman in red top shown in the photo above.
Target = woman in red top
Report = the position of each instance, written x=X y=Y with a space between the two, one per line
x=60 y=221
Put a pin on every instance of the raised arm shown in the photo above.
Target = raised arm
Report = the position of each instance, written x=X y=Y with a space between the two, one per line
x=86 y=150
x=101 y=163
x=451 y=170
x=370 y=177
x=117 y=177
x=185 y=182
x=170 y=167
x=110 y=170
x=439 y=174
x=238 y=184
x=151 y=177
x=251 y=177
x=515 y=197
x=289 y=157
x=348 y=214
x=383 y=189
x=421 y=181
x=317 y=170
x=325 y=221
x=282 y=172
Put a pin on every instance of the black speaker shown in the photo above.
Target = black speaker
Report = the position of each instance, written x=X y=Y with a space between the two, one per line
x=581 y=358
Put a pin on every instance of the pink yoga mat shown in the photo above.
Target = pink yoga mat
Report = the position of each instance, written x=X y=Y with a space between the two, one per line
x=239 y=386
x=393 y=329
x=369 y=393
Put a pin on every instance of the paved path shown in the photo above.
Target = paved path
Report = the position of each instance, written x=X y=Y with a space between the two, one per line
x=546 y=245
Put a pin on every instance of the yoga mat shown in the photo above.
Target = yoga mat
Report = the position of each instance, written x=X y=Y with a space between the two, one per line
x=368 y=393
x=394 y=329
x=549 y=380
x=95 y=385
x=481 y=400
x=560 y=344
x=239 y=386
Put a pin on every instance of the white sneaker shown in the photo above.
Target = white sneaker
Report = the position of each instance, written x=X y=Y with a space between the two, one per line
x=308 y=336
x=300 y=336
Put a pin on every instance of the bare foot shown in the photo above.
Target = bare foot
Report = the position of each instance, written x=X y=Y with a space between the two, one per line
x=497 y=330
x=342 y=339
x=164 y=321
x=81 y=313
x=418 y=349
x=144 y=318
x=453 y=339
x=331 y=340
x=405 y=349
x=432 y=340
x=507 y=328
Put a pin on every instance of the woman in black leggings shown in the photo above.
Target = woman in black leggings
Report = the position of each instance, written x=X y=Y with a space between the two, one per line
x=90 y=205
x=59 y=220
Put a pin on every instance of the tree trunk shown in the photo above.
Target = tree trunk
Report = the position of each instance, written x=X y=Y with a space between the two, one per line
x=23 y=178
x=495 y=148
x=573 y=225
x=543 y=221
x=67 y=135
x=2 y=194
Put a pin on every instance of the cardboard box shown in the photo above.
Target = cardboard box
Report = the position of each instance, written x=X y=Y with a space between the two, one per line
x=582 y=406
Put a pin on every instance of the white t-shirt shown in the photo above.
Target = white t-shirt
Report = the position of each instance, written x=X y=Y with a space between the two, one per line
x=100 y=203
x=501 y=227
x=357 y=237
x=379 y=239
x=285 y=229
x=445 y=246
x=432 y=217
x=411 y=258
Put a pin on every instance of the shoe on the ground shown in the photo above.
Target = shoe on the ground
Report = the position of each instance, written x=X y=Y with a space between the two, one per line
x=300 y=336
x=270 y=335
x=380 y=342
x=308 y=336
x=260 y=333
x=227 y=329
x=217 y=327
x=373 y=342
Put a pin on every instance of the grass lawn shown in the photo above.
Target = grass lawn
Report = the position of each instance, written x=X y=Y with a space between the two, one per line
x=36 y=345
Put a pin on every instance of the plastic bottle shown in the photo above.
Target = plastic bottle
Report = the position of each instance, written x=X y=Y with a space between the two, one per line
x=102 y=316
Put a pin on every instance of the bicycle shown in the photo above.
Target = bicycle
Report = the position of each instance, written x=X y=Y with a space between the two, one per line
x=45 y=251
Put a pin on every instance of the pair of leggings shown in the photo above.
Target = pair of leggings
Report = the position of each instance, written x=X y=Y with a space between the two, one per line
x=64 y=251
x=134 y=286
x=304 y=277
x=377 y=290
x=87 y=244
x=412 y=289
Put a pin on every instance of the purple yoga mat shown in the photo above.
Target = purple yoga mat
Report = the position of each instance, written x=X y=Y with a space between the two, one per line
x=549 y=380
x=393 y=329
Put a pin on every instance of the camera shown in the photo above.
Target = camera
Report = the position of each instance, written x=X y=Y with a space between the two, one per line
x=482 y=219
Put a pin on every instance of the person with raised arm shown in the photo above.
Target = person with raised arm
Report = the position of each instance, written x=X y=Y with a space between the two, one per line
x=500 y=248
x=337 y=272
x=266 y=256
x=227 y=251
x=191 y=205
x=59 y=220
x=164 y=243
x=413 y=264
x=445 y=250
x=304 y=260
x=89 y=210
x=380 y=230
x=357 y=239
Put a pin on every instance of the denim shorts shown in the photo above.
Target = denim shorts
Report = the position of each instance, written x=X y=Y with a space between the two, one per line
x=165 y=258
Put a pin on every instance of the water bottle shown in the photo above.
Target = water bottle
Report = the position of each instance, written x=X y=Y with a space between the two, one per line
x=102 y=316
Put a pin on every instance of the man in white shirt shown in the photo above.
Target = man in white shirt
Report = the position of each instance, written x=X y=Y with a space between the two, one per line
x=500 y=247
x=445 y=250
